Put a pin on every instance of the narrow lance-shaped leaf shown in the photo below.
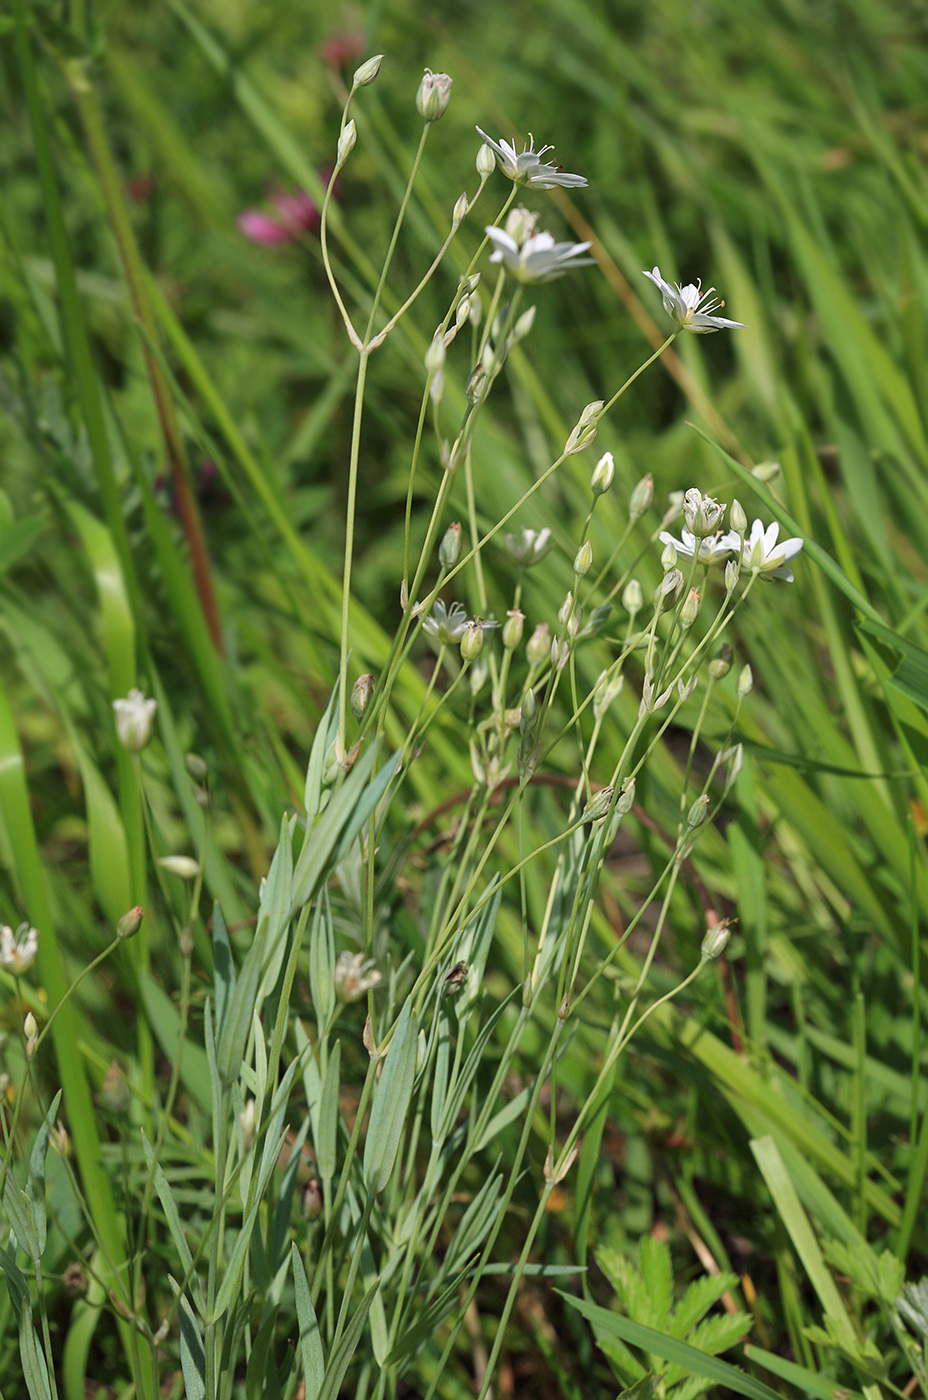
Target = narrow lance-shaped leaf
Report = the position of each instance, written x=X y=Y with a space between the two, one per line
x=391 y=1102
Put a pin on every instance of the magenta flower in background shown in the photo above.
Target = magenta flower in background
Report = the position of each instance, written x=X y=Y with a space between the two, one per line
x=296 y=214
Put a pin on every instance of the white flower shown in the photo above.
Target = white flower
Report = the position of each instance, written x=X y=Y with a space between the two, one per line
x=762 y=555
x=134 y=716
x=690 y=306
x=527 y=168
x=539 y=258
x=714 y=549
x=17 y=951
x=354 y=975
x=447 y=624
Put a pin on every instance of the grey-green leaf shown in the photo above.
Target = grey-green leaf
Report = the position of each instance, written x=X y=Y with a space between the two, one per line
x=391 y=1102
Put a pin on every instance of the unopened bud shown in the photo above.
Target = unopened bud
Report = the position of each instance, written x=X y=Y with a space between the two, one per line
x=605 y=691
x=31 y=1028
x=641 y=498
x=433 y=96
x=598 y=806
x=524 y=324
x=720 y=665
x=130 y=923
x=367 y=1038
x=197 y=767
x=737 y=518
x=745 y=682
x=476 y=386
x=346 y=143
x=246 y=1121
x=185 y=867
x=632 y=597
x=766 y=471
x=486 y=161
x=472 y=641
x=685 y=689
x=603 y=473
x=554 y=1174
x=512 y=629
x=435 y=354
x=570 y=615
x=732 y=570
x=668 y=557
x=626 y=798
x=539 y=645
x=134 y=718
x=367 y=72
x=585 y=431
x=361 y=692
x=528 y=717
x=715 y=941
x=560 y=653
x=734 y=757
x=460 y=210
x=584 y=559
x=668 y=588
x=450 y=547
x=690 y=610
x=697 y=813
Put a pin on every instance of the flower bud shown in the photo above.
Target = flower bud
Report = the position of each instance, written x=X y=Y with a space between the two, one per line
x=668 y=557
x=697 y=813
x=512 y=629
x=539 y=645
x=435 y=354
x=559 y=653
x=766 y=471
x=346 y=143
x=585 y=431
x=737 y=518
x=702 y=514
x=570 y=615
x=450 y=547
x=130 y=923
x=31 y=1029
x=134 y=716
x=668 y=588
x=554 y=1174
x=459 y=211
x=715 y=941
x=626 y=798
x=486 y=161
x=685 y=690
x=603 y=473
x=720 y=665
x=632 y=597
x=745 y=682
x=183 y=866
x=524 y=324
x=732 y=571
x=433 y=96
x=690 y=610
x=734 y=757
x=641 y=498
x=476 y=386
x=367 y=72
x=607 y=687
x=529 y=714
x=472 y=641
x=584 y=559
x=598 y=806
x=246 y=1121
x=312 y=1199
x=196 y=766
x=361 y=692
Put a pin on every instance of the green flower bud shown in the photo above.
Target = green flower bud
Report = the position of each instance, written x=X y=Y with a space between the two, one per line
x=196 y=767
x=690 y=610
x=584 y=559
x=720 y=665
x=603 y=473
x=745 y=682
x=183 y=866
x=668 y=557
x=486 y=161
x=598 y=806
x=715 y=941
x=472 y=641
x=450 y=547
x=529 y=714
x=641 y=498
x=697 y=813
x=435 y=354
x=433 y=96
x=626 y=798
x=367 y=72
x=632 y=597
x=460 y=211
x=130 y=923
x=585 y=431
x=512 y=629
x=737 y=518
x=732 y=572
x=539 y=645
x=346 y=143
x=766 y=471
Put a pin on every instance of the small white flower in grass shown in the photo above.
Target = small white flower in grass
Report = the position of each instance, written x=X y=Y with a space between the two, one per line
x=714 y=549
x=529 y=548
x=134 y=716
x=447 y=625
x=539 y=258
x=527 y=168
x=763 y=555
x=17 y=951
x=354 y=976
x=691 y=307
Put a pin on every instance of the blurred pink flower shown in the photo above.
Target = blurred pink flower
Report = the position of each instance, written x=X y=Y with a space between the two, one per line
x=340 y=49
x=296 y=214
